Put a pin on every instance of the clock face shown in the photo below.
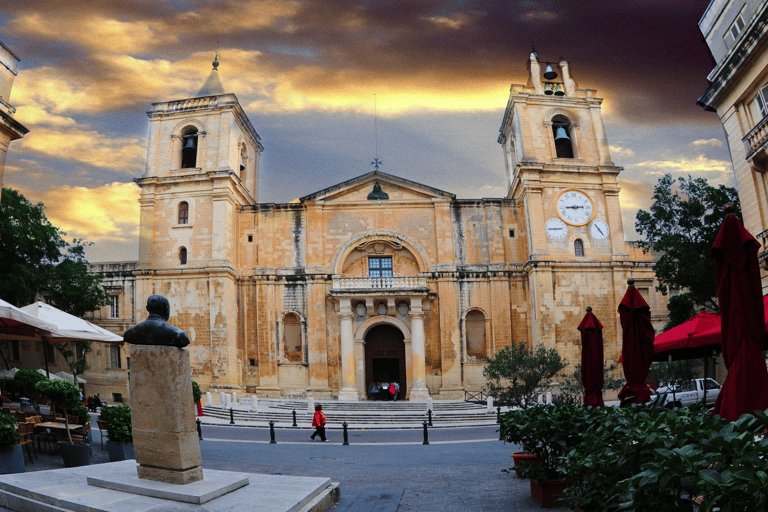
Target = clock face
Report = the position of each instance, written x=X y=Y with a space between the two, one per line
x=599 y=229
x=556 y=229
x=574 y=207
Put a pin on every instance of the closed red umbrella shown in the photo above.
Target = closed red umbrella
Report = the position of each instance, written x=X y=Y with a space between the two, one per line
x=745 y=389
x=592 y=359
x=637 y=345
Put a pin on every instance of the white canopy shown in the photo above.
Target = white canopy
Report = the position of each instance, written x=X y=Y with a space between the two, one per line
x=68 y=376
x=70 y=327
x=52 y=376
x=16 y=324
x=8 y=374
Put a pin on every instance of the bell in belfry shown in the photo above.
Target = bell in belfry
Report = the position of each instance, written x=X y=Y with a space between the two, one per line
x=189 y=152
x=560 y=133
x=549 y=73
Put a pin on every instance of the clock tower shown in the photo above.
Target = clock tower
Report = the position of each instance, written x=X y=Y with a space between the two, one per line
x=559 y=168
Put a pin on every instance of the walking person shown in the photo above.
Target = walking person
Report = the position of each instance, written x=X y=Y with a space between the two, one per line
x=318 y=421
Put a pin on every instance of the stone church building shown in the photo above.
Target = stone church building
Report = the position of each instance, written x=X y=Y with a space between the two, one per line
x=378 y=278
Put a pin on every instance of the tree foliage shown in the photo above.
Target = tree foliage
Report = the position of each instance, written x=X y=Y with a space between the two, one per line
x=37 y=261
x=516 y=374
x=681 y=227
x=572 y=389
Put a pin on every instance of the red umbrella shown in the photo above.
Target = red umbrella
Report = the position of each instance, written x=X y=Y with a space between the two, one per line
x=637 y=345
x=745 y=389
x=688 y=339
x=592 y=359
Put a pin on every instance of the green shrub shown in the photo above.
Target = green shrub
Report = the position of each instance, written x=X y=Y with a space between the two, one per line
x=62 y=394
x=516 y=374
x=81 y=412
x=9 y=434
x=118 y=421
x=27 y=380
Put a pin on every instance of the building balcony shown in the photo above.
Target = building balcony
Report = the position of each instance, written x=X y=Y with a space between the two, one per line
x=762 y=255
x=755 y=143
x=378 y=284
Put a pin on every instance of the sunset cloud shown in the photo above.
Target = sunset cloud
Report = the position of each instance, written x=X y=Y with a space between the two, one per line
x=708 y=142
x=685 y=165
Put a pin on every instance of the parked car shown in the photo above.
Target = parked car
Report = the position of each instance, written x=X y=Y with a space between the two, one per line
x=687 y=392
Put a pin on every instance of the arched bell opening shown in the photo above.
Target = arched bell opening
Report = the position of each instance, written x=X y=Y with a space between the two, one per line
x=561 y=131
x=189 y=139
x=385 y=361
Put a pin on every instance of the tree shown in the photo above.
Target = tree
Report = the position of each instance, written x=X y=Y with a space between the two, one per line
x=517 y=374
x=681 y=227
x=34 y=264
x=572 y=389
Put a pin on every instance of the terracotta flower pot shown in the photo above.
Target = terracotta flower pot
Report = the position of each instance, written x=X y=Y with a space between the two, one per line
x=519 y=457
x=547 y=493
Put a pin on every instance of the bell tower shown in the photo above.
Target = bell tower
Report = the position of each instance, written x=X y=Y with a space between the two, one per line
x=202 y=167
x=559 y=167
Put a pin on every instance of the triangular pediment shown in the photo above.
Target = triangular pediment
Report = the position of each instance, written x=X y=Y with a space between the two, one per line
x=393 y=187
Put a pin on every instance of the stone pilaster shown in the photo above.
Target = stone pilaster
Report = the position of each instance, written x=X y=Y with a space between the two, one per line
x=348 y=391
x=419 y=389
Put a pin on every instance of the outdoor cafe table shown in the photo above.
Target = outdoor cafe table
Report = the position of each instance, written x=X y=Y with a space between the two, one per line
x=54 y=425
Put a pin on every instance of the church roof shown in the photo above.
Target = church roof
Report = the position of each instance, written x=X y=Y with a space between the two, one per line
x=212 y=85
x=375 y=177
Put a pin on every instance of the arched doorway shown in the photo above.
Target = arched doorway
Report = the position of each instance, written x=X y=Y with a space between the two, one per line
x=385 y=357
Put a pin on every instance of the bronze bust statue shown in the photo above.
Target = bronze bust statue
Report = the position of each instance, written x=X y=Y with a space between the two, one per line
x=155 y=330
x=377 y=194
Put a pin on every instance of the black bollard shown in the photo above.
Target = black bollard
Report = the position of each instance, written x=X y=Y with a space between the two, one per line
x=429 y=415
x=272 y=432
x=501 y=436
x=346 y=436
x=426 y=434
x=231 y=416
x=294 y=418
x=498 y=415
x=199 y=429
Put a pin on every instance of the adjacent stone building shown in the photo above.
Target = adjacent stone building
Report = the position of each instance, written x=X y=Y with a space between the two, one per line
x=737 y=35
x=380 y=278
x=10 y=128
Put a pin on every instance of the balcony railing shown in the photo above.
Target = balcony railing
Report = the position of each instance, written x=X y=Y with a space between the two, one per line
x=379 y=283
x=756 y=138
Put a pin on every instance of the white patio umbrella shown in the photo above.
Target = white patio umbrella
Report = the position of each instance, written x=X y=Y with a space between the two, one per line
x=8 y=374
x=16 y=324
x=68 y=376
x=70 y=327
x=52 y=376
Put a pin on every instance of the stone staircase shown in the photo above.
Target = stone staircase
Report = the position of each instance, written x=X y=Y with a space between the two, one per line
x=363 y=414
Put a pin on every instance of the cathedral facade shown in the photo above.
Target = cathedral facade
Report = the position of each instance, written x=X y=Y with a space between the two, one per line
x=380 y=278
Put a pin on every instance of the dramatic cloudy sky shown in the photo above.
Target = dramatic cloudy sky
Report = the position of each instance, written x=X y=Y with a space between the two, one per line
x=306 y=72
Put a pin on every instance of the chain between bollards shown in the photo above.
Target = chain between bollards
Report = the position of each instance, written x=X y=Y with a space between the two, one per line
x=231 y=416
x=272 y=432
x=199 y=429
x=426 y=434
x=429 y=415
x=346 y=436
x=294 y=418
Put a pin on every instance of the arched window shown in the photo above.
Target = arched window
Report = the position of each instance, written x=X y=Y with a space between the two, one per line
x=578 y=247
x=475 y=327
x=292 y=337
x=183 y=212
x=561 y=131
x=183 y=256
x=189 y=148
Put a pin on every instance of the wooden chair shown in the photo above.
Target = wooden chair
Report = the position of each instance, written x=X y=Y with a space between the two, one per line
x=26 y=431
x=102 y=428
x=81 y=434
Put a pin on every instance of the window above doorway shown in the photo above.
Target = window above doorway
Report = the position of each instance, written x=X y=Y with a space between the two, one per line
x=380 y=266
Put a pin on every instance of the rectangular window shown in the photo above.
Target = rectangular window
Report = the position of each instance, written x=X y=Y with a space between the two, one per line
x=380 y=266
x=734 y=31
x=762 y=100
x=114 y=306
x=117 y=398
x=15 y=351
x=114 y=356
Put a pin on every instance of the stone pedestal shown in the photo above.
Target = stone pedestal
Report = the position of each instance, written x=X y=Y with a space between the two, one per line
x=164 y=430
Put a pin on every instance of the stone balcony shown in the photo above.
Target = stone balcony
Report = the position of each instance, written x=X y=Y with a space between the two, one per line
x=755 y=143
x=374 y=284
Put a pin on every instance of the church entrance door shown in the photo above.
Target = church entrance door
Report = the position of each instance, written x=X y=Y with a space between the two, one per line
x=385 y=358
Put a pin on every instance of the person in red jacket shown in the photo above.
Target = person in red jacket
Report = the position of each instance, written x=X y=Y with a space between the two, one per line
x=318 y=421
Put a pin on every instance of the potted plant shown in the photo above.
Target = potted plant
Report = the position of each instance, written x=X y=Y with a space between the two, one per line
x=66 y=395
x=120 y=432
x=11 y=454
x=197 y=394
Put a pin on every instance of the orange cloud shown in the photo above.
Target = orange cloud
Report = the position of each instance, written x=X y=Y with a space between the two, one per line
x=109 y=213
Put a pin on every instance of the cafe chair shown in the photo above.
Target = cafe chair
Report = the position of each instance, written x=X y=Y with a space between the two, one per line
x=26 y=432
